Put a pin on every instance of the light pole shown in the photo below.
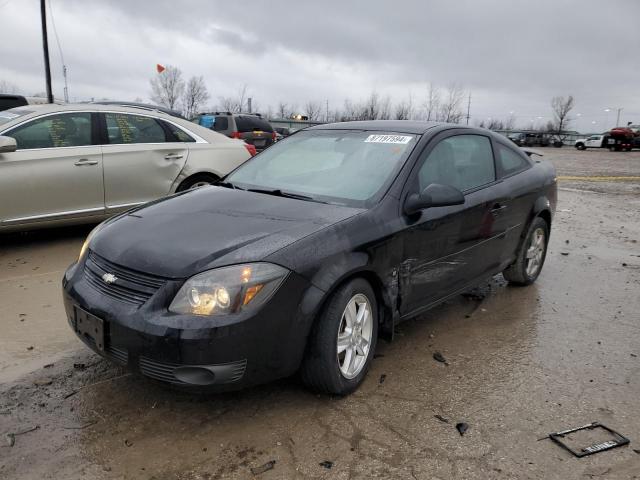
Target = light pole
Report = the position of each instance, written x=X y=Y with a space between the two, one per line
x=45 y=48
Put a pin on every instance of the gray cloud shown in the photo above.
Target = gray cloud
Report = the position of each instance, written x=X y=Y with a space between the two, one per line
x=512 y=55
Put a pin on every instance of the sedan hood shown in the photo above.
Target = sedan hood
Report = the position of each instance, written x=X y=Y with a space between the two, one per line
x=210 y=227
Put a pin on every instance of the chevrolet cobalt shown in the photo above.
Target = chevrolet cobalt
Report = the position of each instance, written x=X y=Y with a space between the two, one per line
x=303 y=256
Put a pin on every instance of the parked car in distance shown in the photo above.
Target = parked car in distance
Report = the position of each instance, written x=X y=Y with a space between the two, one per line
x=529 y=139
x=594 y=141
x=303 y=255
x=145 y=106
x=251 y=128
x=284 y=131
x=64 y=164
x=8 y=101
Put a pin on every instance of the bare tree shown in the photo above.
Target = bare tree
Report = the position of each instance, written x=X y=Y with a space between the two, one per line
x=450 y=108
x=312 y=110
x=432 y=103
x=402 y=110
x=167 y=87
x=385 y=109
x=510 y=122
x=561 y=107
x=8 y=87
x=283 y=110
x=195 y=96
x=236 y=103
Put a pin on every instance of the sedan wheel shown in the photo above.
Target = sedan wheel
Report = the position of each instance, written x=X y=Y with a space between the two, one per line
x=530 y=256
x=354 y=336
x=535 y=252
x=343 y=340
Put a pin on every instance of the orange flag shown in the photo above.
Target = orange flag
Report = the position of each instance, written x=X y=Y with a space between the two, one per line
x=160 y=68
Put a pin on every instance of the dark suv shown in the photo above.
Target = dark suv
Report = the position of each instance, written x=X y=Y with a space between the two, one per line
x=251 y=128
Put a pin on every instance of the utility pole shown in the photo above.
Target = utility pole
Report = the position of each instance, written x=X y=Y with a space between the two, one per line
x=618 y=118
x=45 y=47
x=468 y=108
x=327 y=117
x=249 y=104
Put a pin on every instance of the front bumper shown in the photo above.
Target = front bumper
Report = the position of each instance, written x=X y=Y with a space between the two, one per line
x=219 y=353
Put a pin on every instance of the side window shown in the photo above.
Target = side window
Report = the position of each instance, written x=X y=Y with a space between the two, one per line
x=178 y=134
x=62 y=130
x=462 y=161
x=510 y=162
x=125 y=128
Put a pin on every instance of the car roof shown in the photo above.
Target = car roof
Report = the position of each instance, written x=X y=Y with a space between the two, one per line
x=401 y=126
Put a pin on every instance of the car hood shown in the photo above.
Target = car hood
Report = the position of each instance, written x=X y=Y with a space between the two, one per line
x=210 y=227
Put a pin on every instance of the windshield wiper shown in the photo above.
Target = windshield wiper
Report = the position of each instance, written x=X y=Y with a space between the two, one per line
x=229 y=185
x=279 y=193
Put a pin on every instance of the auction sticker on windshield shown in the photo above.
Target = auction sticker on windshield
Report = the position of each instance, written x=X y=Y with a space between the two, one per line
x=402 y=139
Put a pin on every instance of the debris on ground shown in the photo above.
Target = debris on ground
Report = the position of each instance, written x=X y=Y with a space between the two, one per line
x=79 y=366
x=48 y=365
x=561 y=439
x=462 y=427
x=30 y=347
x=263 y=468
x=42 y=382
x=438 y=357
x=442 y=419
x=326 y=464
x=128 y=442
x=378 y=355
x=11 y=437
x=564 y=253
x=382 y=378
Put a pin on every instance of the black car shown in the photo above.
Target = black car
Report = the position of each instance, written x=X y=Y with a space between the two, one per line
x=300 y=258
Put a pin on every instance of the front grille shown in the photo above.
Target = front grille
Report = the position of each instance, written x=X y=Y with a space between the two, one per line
x=159 y=371
x=120 y=355
x=226 y=372
x=130 y=286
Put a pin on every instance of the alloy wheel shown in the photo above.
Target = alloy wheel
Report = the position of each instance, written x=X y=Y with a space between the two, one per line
x=535 y=252
x=354 y=336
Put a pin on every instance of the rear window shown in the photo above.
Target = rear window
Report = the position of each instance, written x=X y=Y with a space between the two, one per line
x=220 y=124
x=248 y=123
x=7 y=116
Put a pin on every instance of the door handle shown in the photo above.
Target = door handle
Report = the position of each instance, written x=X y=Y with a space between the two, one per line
x=173 y=156
x=85 y=161
x=497 y=208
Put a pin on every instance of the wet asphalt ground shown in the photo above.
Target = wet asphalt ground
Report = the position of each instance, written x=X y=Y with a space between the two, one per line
x=521 y=363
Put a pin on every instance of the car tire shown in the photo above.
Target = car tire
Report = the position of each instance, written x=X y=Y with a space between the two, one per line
x=197 y=181
x=324 y=368
x=531 y=255
x=580 y=146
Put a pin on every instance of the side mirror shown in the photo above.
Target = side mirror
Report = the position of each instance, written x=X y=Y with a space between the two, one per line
x=8 y=144
x=435 y=195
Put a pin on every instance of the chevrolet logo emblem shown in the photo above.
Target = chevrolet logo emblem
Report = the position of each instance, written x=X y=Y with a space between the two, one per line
x=109 y=278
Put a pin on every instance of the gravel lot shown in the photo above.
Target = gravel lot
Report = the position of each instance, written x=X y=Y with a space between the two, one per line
x=522 y=362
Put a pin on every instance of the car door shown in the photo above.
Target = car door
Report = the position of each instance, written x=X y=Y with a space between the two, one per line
x=517 y=197
x=141 y=159
x=447 y=248
x=56 y=171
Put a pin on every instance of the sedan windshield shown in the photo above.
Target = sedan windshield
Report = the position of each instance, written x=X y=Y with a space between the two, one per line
x=337 y=166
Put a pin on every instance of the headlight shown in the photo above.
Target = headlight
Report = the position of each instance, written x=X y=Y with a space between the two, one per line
x=85 y=245
x=229 y=289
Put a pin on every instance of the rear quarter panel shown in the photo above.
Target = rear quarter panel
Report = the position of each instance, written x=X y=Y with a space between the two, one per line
x=217 y=159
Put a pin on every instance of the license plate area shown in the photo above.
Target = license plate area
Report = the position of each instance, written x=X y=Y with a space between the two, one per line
x=89 y=327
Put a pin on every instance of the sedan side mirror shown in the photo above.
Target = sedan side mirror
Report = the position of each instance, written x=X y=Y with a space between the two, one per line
x=8 y=144
x=435 y=195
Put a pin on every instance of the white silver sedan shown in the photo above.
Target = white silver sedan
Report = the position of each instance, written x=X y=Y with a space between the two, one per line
x=66 y=164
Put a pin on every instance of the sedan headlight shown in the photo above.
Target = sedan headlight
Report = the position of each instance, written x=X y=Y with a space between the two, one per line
x=85 y=245
x=229 y=289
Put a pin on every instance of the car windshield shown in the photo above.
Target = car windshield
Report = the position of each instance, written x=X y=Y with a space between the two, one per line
x=336 y=166
x=10 y=115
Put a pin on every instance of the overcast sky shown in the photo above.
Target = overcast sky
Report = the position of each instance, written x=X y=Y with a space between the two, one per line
x=512 y=55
